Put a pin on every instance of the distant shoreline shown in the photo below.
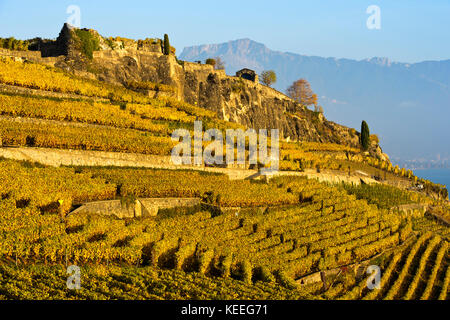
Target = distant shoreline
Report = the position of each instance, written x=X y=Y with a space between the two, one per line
x=436 y=175
x=412 y=165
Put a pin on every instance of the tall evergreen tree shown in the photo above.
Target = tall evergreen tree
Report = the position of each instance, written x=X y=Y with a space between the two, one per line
x=166 y=45
x=365 y=136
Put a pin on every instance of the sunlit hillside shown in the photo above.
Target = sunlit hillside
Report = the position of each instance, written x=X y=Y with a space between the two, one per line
x=331 y=209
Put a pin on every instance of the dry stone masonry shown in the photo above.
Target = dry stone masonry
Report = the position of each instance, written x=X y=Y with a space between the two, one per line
x=148 y=207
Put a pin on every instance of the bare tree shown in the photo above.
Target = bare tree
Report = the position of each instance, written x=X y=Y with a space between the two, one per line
x=301 y=92
x=220 y=64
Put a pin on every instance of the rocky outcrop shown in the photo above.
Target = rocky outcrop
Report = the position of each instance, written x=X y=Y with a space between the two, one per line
x=232 y=98
x=261 y=107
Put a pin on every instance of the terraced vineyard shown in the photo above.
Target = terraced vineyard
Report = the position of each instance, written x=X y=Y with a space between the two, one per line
x=248 y=239
x=321 y=228
x=430 y=223
x=418 y=271
x=127 y=121
x=149 y=283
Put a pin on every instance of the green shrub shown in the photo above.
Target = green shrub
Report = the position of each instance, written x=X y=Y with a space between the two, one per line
x=211 y=61
x=180 y=62
x=14 y=44
x=89 y=43
x=268 y=77
x=110 y=43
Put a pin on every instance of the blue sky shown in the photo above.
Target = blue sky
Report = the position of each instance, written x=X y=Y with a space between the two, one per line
x=410 y=31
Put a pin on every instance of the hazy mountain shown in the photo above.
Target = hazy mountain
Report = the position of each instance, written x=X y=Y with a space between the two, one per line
x=408 y=105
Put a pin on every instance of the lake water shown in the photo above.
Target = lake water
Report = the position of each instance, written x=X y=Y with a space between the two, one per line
x=441 y=176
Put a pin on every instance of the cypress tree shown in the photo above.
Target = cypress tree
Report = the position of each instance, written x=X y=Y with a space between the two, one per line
x=444 y=193
x=365 y=136
x=166 y=45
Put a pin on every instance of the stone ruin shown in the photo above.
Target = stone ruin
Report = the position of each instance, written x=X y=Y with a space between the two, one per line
x=247 y=74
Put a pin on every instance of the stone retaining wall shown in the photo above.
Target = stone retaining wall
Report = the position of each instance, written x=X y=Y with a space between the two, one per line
x=34 y=56
x=67 y=157
x=140 y=208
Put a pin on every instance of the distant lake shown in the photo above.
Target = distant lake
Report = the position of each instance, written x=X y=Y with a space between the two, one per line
x=441 y=176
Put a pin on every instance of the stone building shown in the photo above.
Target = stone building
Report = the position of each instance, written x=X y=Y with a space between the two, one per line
x=247 y=74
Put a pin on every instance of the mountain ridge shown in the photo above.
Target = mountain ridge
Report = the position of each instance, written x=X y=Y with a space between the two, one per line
x=411 y=94
x=380 y=60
